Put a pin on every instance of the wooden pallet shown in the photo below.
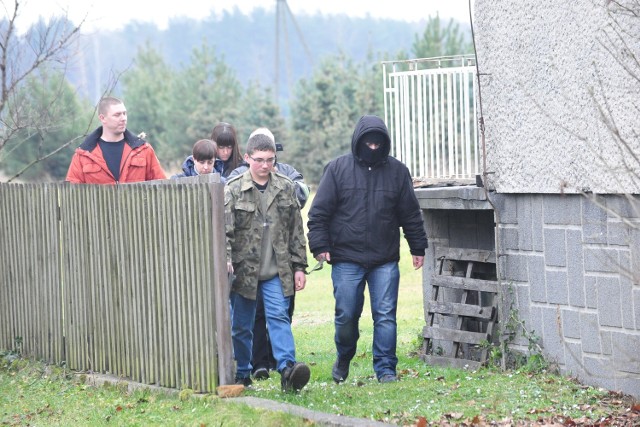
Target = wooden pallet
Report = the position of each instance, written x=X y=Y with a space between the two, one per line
x=453 y=322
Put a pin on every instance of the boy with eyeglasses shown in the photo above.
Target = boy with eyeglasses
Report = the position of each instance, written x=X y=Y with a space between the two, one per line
x=262 y=360
x=266 y=251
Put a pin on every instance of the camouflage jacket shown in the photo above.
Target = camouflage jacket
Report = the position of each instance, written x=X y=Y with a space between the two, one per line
x=244 y=223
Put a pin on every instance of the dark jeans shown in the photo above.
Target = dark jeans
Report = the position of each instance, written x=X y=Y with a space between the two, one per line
x=243 y=313
x=349 y=281
x=262 y=355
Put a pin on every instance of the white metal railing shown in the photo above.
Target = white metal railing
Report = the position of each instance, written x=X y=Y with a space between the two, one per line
x=430 y=110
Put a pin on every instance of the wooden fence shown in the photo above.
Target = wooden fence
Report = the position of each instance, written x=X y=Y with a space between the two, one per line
x=128 y=280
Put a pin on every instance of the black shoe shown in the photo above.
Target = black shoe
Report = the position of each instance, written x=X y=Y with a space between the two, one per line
x=294 y=377
x=340 y=370
x=388 y=378
x=244 y=381
x=261 y=374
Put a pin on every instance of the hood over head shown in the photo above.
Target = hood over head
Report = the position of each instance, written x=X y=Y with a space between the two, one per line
x=189 y=166
x=377 y=132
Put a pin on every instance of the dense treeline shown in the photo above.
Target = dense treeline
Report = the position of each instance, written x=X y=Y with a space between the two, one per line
x=247 y=43
x=177 y=94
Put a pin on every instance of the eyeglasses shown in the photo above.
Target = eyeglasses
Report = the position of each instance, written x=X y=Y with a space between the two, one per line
x=269 y=161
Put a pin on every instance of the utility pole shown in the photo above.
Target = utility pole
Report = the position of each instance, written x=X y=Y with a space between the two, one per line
x=282 y=12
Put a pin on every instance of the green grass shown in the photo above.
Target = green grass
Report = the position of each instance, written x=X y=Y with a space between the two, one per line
x=423 y=391
x=38 y=395
x=34 y=394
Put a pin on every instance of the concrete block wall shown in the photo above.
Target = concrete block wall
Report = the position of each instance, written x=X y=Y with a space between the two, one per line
x=571 y=265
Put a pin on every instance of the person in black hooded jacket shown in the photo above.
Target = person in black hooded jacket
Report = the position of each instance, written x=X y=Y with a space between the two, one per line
x=363 y=199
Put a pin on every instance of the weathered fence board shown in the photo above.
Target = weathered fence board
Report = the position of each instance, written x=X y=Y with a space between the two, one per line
x=30 y=294
x=128 y=279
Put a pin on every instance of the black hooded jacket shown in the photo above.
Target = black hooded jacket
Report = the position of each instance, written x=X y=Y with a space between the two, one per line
x=359 y=208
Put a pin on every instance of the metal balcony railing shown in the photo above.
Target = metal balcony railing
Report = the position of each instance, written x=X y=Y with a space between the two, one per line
x=430 y=109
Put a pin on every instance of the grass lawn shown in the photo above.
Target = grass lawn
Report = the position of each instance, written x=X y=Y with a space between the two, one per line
x=427 y=392
x=34 y=394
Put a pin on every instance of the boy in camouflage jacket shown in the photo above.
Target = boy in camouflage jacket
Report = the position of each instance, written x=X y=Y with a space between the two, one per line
x=266 y=250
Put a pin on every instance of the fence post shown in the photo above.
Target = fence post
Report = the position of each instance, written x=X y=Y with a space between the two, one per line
x=221 y=292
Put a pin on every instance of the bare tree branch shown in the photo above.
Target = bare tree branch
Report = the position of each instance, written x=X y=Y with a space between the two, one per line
x=113 y=81
x=42 y=158
x=23 y=56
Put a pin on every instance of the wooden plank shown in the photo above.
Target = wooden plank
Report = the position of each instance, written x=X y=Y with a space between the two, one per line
x=199 y=246
x=180 y=314
x=137 y=279
x=153 y=296
x=112 y=281
x=85 y=279
x=55 y=304
x=461 y=320
x=454 y=335
x=172 y=300
x=426 y=345
x=464 y=254
x=8 y=210
x=191 y=341
x=453 y=308
x=451 y=362
x=222 y=314
x=122 y=246
x=489 y=330
x=465 y=283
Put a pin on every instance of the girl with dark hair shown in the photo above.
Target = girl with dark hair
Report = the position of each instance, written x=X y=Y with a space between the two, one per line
x=225 y=136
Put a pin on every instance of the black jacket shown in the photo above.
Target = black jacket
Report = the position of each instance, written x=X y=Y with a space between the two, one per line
x=359 y=208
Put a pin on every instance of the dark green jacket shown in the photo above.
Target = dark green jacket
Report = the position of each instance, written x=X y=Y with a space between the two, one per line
x=244 y=222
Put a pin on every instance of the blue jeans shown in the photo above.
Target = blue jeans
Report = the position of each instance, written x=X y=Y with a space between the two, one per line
x=243 y=314
x=348 y=290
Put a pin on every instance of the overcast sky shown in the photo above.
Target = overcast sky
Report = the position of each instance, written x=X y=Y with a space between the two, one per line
x=113 y=14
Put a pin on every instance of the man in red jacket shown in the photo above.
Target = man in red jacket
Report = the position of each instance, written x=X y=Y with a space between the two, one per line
x=112 y=154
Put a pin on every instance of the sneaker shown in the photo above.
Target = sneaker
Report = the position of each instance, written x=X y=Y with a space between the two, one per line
x=261 y=374
x=388 y=378
x=244 y=381
x=294 y=377
x=340 y=371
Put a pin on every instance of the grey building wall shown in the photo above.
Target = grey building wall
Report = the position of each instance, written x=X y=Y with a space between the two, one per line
x=560 y=102
x=568 y=264
x=559 y=95
x=572 y=263
x=560 y=106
